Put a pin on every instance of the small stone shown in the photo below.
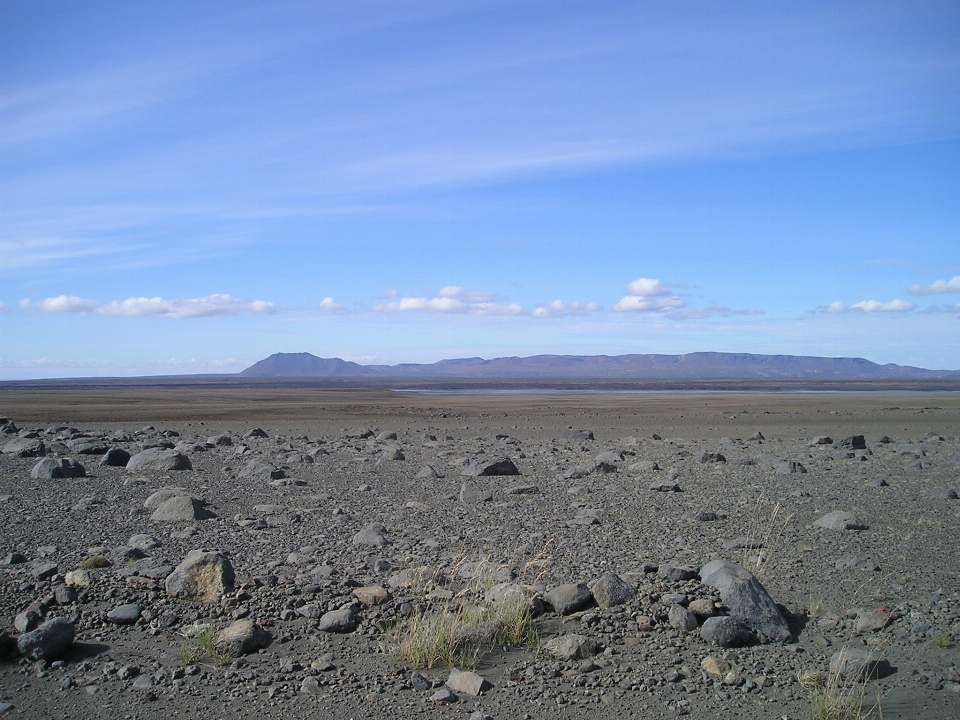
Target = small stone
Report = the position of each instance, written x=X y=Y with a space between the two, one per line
x=611 y=590
x=681 y=619
x=444 y=696
x=338 y=621
x=857 y=665
x=676 y=574
x=124 y=614
x=568 y=598
x=840 y=520
x=203 y=575
x=78 y=578
x=702 y=608
x=715 y=666
x=372 y=535
x=726 y=632
x=371 y=595
x=468 y=683
x=572 y=647
x=242 y=638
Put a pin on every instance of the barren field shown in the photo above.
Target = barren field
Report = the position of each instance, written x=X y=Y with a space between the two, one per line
x=359 y=522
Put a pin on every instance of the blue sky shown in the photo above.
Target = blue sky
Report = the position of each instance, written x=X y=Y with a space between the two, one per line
x=192 y=186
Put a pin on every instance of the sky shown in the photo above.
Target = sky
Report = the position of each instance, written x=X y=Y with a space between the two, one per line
x=189 y=187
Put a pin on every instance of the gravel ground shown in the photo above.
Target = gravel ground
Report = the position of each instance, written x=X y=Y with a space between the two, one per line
x=616 y=487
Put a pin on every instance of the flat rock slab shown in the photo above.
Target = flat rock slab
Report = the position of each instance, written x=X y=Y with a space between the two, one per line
x=857 y=665
x=572 y=647
x=840 y=520
x=746 y=598
x=160 y=460
x=468 y=683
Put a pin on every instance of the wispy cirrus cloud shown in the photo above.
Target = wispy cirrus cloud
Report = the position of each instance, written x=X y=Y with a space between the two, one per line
x=937 y=287
x=210 y=306
x=871 y=306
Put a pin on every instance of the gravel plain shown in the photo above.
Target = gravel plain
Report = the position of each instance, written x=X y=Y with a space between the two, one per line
x=344 y=492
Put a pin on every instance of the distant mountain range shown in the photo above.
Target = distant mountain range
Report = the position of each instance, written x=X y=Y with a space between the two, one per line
x=701 y=365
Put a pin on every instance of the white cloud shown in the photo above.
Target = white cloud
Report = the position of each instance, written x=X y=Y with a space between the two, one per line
x=558 y=307
x=938 y=287
x=871 y=306
x=649 y=295
x=328 y=304
x=646 y=287
x=212 y=305
x=449 y=299
x=61 y=304
x=635 y=303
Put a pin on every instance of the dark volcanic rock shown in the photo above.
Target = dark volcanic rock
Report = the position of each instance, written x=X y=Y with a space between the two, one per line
x=746 y=598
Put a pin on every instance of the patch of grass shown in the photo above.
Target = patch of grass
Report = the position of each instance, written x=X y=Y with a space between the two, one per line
x=768 y=531
x=827 y=705
x=941 y=641
x=203 y=646
x=94 y=562
x=816 y=607
x=810 y=679
x=460 y=637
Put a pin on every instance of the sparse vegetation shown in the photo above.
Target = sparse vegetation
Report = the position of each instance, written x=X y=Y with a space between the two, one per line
x=459 y=637
x=941 y=641
x=767 y=532
x=202 y=646
x=94 y=562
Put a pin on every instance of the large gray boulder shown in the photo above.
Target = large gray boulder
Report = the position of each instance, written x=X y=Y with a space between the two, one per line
x=747 y=599
x=51 y=469
x=159 y=460
x=47 y=642
x=25 y=448
x=180 y=508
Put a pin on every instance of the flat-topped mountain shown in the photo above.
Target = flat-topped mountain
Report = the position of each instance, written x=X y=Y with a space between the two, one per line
x=701 y=365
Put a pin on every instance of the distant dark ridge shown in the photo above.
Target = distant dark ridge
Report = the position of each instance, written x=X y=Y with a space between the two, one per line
x=705 y=365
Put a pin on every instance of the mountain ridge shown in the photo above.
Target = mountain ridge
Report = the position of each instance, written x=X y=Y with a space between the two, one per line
x=699 y=365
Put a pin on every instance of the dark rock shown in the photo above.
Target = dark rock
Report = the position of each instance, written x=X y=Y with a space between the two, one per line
x=338 y=621
x=746 y=599
x=242 y=638
x=115 y=457
x=124 y=614
x=611 y=590
x=568 y=598
x=725 y=631
x=501 y=466
x=48 y=642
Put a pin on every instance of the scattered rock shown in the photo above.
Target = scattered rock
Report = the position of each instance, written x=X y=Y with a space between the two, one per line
x=572 y=647
x=568 y=598
x=746 y=599
x=857 y=665
x=468 y=683
x=611 y=590
x=159 y=460
x=501 y=466
x=48 y=642
x=203 y=575
x=840 y=520
x=338 y=621
x=726 y=631
x=242 y=638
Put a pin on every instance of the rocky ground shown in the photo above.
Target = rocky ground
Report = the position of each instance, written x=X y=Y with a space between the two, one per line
x=323 y=536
